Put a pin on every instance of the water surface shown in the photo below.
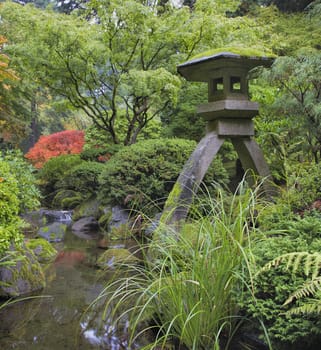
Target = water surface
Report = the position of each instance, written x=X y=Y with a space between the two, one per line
x=57 y=320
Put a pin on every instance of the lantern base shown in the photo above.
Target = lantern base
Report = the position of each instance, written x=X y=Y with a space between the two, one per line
x=180 y=199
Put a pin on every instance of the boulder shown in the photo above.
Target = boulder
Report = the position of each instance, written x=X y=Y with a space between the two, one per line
x=54 y=232
x=89 y=207
x=42 y=249
x=21 y=274
x=114 y=218
x=86 y=228
x=44 y=216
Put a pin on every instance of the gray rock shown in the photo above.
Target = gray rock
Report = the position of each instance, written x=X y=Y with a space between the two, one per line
x=119 y=216
x=86 y=228
x=21 y=275
x=89 y=207
x=44 y=216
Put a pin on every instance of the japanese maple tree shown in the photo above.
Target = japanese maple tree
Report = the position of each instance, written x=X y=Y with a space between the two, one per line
x=54 y=145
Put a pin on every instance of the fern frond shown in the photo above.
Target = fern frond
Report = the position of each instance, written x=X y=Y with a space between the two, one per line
x=311 y=262
x=307 y=308
x=308 y=289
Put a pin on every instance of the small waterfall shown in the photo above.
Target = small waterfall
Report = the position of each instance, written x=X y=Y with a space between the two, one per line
x=64 y=216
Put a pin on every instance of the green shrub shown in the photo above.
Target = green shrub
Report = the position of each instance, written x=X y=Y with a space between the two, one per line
x=303 y=185
x=81 y=178
x=272 y=287
x=99 y=153
x=28 y=193
x=146 y=172
x=9 y=208
x=53 y=171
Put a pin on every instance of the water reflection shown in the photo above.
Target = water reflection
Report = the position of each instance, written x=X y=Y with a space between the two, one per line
x=59 y=321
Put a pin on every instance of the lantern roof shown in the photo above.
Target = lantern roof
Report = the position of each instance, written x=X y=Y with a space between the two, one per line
x=202 y=67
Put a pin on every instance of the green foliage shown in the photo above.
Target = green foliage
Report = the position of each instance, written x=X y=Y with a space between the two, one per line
x=288 y=239
x=81 y=178
x=53 y=171
x=17 y=194
x=42 y=249
x=28 y=193
x=143 y=174
x=188 y=294
x=68 y=180
x=301 y=185
x=297 y=79
x=237 y=50
x=9 y=208
x=123 y=75
x=182 y=120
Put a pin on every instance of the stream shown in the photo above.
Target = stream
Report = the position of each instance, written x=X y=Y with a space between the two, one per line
x=56 y=319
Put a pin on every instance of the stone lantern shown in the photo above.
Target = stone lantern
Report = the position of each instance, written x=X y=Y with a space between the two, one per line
x=229 y=114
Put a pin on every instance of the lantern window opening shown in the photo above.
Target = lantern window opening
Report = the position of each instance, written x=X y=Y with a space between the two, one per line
x=218 y=84
x=236 y=84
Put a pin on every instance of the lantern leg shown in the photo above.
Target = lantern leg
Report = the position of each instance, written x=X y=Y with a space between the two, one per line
x=180 y=199
x=251 y=157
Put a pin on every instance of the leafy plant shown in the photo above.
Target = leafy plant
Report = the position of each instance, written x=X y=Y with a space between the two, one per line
x=311 y=263
x=28 y=193
x=288 y=238
x=81 y=178
x=143 y=174
x=10 y=223
x=54 y=145
x=54 y=171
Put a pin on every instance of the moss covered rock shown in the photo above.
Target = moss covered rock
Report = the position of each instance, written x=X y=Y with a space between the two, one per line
x=116 y=257
x=89 y=207
x=54 y=232
x=42 y=249
x=20 y=273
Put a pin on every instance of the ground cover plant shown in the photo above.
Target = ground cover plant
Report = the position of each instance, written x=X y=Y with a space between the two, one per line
x=287 y=269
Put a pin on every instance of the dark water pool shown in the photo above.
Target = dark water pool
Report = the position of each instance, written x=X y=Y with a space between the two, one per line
x=57 y=319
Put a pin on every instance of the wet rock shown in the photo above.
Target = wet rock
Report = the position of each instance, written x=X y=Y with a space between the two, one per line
x=86 y=228
x=42 y=249
x=88 y=208
x=21 y=275
x=57 y=215
x=116 y=257
x=114 y=217
x=44 y=216
x=54 y=232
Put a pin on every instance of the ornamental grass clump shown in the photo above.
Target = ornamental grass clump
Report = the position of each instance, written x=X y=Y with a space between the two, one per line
x=184 y=295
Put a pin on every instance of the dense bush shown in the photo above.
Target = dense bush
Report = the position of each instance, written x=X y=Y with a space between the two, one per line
x=9 y=208
x=272 y=287
x=63 y=142
x=99 y=153
x=28 y=193
x=17 y=193
x=54 y=171
x=81 y=178
x=145 y=172
x=68 y=178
